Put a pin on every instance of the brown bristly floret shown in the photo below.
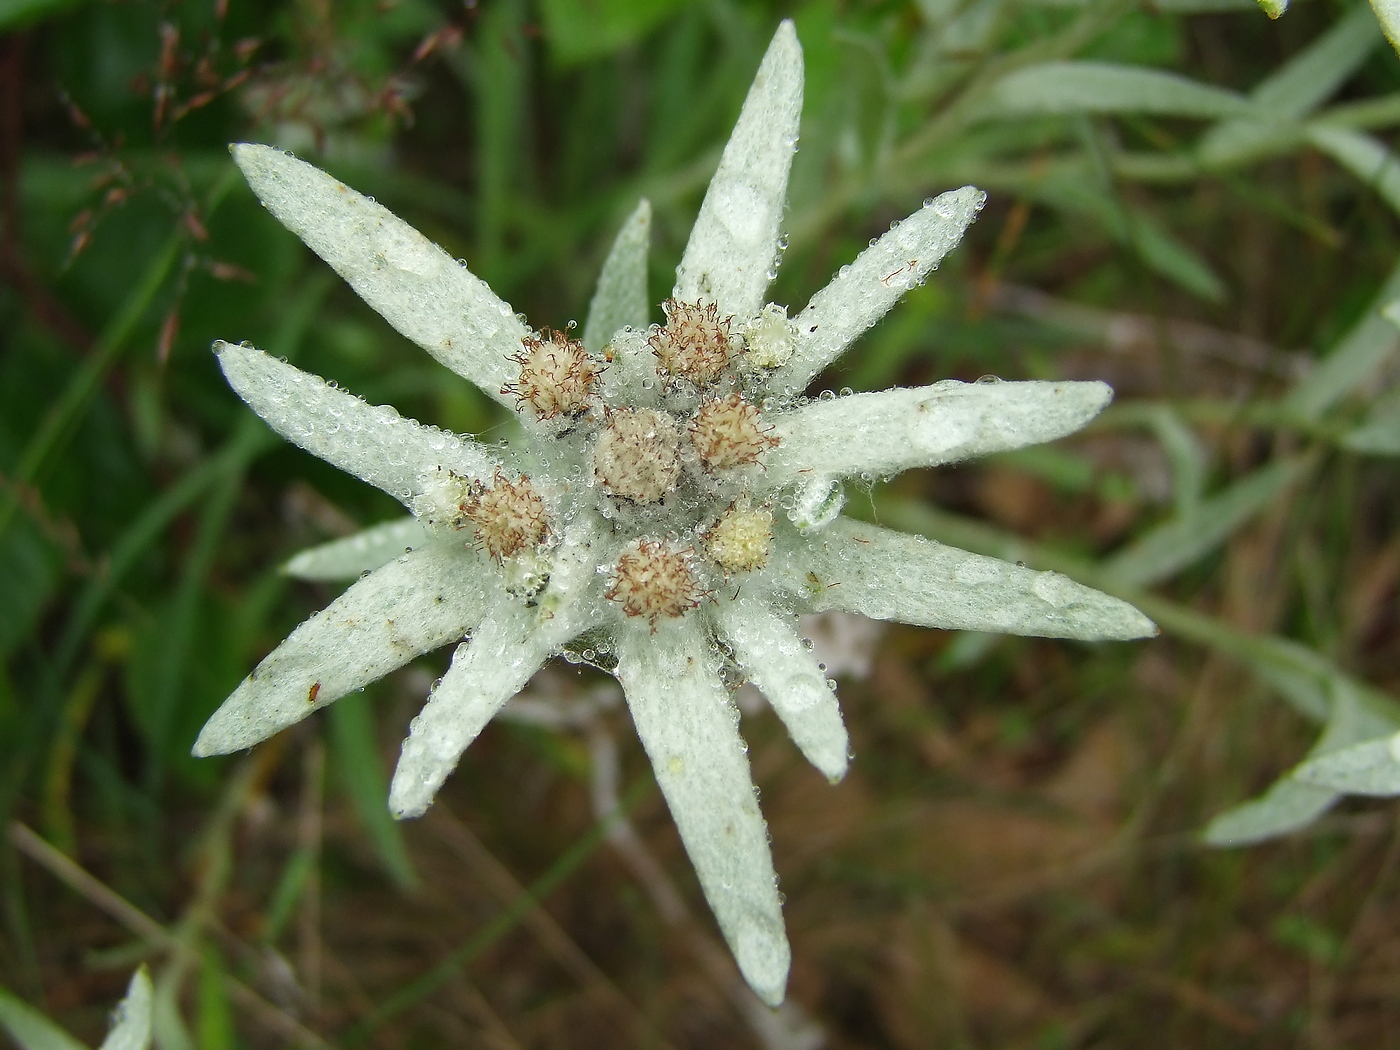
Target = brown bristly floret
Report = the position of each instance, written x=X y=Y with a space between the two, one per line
x=695 y=343
x=509 y=516
x=653 y=579
x=558 y=377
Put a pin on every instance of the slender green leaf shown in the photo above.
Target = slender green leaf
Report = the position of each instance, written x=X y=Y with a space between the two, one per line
x=1364 y=156
x=1290 y=803
x=356 y=753
x=1103 y=87
x=1186 y=538
x=1298 y=87
x=1353 y=361
x=31 y=1029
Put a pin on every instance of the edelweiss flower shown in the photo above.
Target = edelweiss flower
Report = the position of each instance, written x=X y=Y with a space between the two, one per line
x=671 y=506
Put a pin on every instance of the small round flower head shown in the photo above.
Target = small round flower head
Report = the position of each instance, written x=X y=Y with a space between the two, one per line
x=740 y=540
x=770 y=338
x=557 y=375
x=727 y=432
x=637 y=454
x=653 y=579
x=509 y=516
x=695 y=342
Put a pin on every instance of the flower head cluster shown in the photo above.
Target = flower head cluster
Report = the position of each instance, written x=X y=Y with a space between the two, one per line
x=656 y=466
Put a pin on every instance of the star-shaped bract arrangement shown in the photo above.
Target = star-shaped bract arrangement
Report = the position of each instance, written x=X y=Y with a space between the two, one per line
x=673 y=502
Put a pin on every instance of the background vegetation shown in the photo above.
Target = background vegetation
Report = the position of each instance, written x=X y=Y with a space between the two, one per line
x=1016 y=859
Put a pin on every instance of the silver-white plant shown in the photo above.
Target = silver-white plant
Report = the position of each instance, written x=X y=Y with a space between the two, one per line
x=671 y=505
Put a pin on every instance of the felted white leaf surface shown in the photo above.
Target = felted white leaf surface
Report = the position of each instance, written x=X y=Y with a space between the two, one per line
x=416 y=603
x=373 y=442
x=353 y=556
x=733 y=246
x=132 y=1027
x=412 y=283
x=621 y=298
x=894 y=576
x=863 y=292
x=890 y=431
x=768 y=646
x=504 y=651
x=689 y=730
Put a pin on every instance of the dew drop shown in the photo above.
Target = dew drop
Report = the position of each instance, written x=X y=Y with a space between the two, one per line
x=988 y=380
x=830 y=395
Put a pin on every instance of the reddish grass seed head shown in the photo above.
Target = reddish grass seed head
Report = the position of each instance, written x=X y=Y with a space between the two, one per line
x=637 y=455
x=727 y=432
x=653 y=579
x=509 y=516
x=695 y=342
x=558 y=376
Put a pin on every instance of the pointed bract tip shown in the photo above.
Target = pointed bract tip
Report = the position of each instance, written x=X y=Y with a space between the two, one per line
x=764 y=959
x=1139 y=626
x=785 y=39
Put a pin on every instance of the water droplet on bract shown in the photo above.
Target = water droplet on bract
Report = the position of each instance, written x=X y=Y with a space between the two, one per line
x=928 y=202
x=874 y=241
x=988 y=380
x=289 y=153
x=782 y=242
x=772 y=273
x=846 y=391
x=647 y=384
x=827 y=395
x=370 y=199
x=333 y=384
x=844 y=271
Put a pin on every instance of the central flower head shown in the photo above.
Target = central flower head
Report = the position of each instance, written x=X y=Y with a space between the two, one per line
x=655 y=465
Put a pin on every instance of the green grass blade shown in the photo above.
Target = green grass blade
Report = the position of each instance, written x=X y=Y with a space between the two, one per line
x=569 y=862
x=1104 y=87
x=31 y=1029
x=355 y=750
x=1186 y=538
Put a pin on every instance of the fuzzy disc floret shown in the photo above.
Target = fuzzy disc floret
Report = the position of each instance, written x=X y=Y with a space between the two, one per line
x=695 y=343
x=741 y=539
x=509 y=516
x=558 y=377
x=654 y=579
x=727 y=432
x=637 y=454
